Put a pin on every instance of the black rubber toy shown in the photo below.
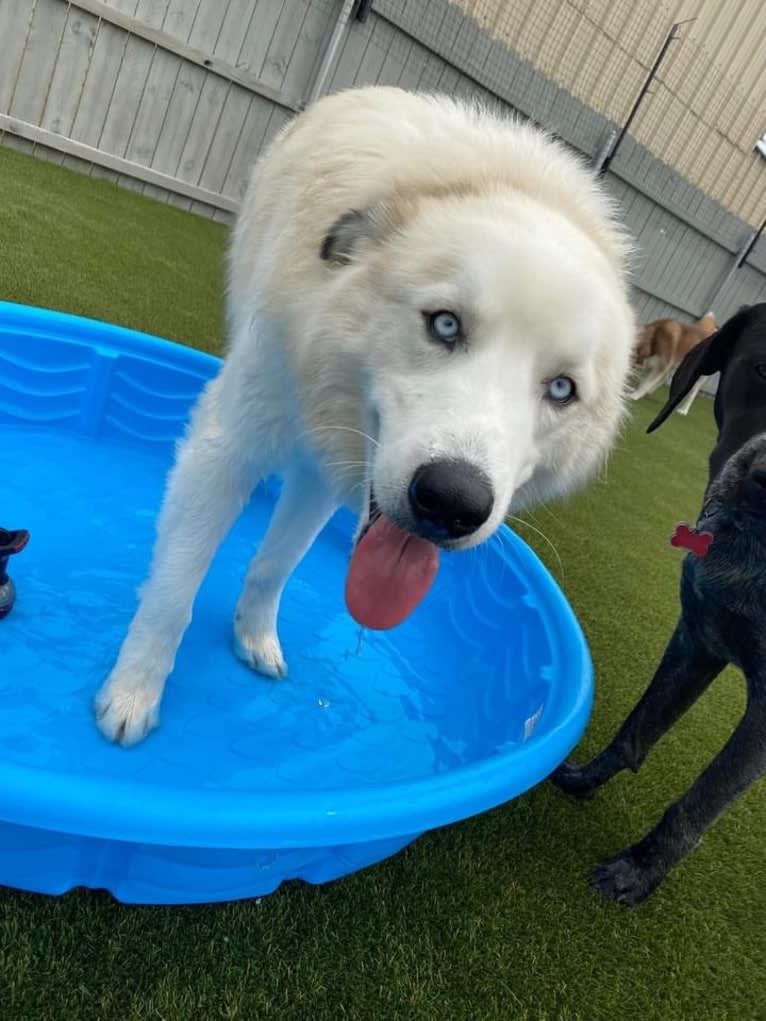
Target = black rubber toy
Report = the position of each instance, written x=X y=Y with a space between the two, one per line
x=10 y=543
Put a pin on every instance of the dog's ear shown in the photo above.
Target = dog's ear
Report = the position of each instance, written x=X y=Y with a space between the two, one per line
x=355 y=229
x=705 y=359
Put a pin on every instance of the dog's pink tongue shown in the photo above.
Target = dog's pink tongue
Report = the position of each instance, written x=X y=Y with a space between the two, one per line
x=390 y=573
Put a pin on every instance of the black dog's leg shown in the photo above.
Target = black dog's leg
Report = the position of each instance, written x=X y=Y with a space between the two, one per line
x=634 y=874
x=685 y=671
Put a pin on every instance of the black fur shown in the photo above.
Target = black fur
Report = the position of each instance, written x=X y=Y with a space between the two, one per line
x=723 y=618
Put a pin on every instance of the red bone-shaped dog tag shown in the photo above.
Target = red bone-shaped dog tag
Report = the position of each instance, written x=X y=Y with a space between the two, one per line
x=689 y=538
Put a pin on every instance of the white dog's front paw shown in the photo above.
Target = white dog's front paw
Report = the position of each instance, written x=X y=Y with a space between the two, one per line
x=261 y=652
x=127 y=710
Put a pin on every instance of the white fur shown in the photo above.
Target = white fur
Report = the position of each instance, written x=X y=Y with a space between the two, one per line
x=655 y=373
x=685 y=406
x=331 y=378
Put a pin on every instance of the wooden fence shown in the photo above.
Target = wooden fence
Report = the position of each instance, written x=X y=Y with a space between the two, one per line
x=176 y=98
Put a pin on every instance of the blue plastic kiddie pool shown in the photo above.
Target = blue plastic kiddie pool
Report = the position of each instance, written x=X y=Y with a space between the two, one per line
x=371 y=740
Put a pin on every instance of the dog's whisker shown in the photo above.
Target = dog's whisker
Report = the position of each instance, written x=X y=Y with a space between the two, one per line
x=342 y=428
x=348 y=464
x=550 y=512
x=543 y=536
x=358 y=485
x=350 y=470
x=532 y=513
x=353 y=484
x=500 y=541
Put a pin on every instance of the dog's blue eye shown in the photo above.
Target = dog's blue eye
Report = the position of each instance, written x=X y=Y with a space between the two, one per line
x=444 y=326
x=561 y=390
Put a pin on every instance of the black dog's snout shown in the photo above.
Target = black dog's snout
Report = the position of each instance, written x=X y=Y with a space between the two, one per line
x=754 y=484
x=450 y=499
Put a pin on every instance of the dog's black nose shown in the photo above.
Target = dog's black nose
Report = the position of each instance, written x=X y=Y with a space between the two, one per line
x=450 y=499
x=754 y=486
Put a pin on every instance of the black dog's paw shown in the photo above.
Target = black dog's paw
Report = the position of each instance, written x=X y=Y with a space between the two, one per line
x=572 y=779
x=625 y=881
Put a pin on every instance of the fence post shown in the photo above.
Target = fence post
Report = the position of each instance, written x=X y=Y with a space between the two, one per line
x=604 y=151
x=669 y=38
x=328 y=60
x=739 y=260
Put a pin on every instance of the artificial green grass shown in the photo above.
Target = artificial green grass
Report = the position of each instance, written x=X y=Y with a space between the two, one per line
x=83 y=245
x=491 y=919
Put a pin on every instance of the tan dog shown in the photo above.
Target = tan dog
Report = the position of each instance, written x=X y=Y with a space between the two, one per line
x=662 y=346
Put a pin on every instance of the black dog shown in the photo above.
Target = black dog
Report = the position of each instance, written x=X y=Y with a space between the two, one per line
x=723 y=618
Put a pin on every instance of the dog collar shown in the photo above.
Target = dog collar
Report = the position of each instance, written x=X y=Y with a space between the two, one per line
x=685 y=537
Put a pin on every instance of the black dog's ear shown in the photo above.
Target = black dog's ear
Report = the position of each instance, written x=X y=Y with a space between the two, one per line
x=704 y=359
x=354 y=229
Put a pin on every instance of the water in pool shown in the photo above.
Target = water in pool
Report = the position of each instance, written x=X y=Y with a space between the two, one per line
x=356 y=709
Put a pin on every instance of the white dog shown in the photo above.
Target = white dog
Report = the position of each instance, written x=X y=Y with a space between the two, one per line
x=429 y=323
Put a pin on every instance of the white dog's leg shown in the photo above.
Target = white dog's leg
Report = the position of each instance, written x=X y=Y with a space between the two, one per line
x=304 y=507
x=213 y=477
x=686 y=403
x=664 y=380
x=650 y=382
